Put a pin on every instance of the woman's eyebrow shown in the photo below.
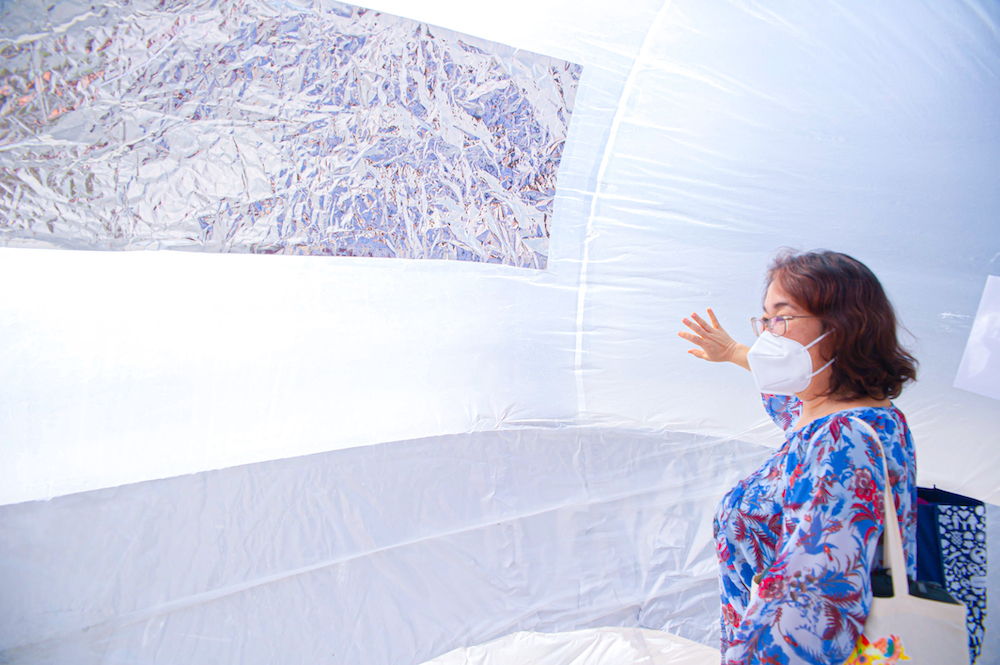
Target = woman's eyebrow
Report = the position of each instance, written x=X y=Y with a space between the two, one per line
x=779 y=305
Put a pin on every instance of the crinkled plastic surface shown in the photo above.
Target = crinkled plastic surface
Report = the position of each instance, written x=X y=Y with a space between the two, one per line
x=395 y=553
x=596 y=646
x=979 y=371
x=262 y=127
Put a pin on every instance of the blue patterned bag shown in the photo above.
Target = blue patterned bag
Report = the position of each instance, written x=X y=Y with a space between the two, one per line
x=951 y=551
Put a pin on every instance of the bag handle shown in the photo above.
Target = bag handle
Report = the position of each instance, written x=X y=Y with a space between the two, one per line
x=892 y=540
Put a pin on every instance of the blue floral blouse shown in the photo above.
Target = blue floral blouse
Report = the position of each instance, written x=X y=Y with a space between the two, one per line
x=809 y=520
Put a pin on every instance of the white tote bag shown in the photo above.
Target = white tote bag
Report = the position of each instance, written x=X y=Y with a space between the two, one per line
x=904 y=627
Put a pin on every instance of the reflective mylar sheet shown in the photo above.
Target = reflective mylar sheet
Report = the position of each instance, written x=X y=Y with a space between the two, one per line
x=243 y=126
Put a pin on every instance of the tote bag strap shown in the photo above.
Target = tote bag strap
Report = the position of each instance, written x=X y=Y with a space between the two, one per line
x=892 y=540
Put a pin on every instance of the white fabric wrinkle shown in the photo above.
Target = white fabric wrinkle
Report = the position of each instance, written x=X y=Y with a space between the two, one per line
x=209 y=596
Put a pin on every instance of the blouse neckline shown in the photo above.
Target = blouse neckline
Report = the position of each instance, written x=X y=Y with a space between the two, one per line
x=819 y=421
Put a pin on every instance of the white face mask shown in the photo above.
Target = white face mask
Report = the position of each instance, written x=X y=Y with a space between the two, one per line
x=782 y=366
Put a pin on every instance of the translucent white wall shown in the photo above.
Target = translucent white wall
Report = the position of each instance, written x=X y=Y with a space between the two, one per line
x=440 y=543
x=141 y=365
x=720 y=131
x=869 y=129
x=745 y=127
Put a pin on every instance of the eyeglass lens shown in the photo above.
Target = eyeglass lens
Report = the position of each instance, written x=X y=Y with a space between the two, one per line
x=776 y=326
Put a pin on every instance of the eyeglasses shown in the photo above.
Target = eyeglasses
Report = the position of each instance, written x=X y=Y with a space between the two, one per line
x=776 y=325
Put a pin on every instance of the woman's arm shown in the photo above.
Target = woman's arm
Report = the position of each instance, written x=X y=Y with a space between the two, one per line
x=717 y=346
x=715 y=343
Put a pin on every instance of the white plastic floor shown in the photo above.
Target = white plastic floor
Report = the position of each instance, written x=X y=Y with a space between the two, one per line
x=597 y=646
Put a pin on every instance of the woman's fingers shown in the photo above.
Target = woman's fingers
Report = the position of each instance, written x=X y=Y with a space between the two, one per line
x=715 y=343
x=698 y=325
x=702 y=322
x=694 y=339
x=703 y=328
x=703 y=334
x=703 y=352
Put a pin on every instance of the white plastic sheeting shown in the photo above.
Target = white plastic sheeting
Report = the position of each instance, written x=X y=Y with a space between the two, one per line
x=719 y=130
x=868 y=129
x=141 y=365
x=622 y=646
x=980 y=368
x=394 y=553
x=704 y=135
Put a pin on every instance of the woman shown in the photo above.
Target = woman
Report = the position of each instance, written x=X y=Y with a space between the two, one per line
x=807 y=524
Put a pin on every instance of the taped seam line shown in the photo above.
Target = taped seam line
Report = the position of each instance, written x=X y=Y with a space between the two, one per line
x=581 y=396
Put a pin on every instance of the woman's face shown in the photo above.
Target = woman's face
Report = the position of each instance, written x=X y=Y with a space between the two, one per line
x=804 y=330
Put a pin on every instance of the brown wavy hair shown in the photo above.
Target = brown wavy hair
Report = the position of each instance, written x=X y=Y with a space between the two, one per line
x=849 y=300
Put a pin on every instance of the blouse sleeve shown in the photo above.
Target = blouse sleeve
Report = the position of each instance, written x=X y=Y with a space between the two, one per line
x=783 y=409
x=813 y=601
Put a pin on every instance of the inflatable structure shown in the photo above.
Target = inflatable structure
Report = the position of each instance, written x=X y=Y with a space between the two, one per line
x=348 y=335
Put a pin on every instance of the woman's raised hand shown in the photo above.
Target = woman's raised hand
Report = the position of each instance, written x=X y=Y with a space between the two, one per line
x=715 y=344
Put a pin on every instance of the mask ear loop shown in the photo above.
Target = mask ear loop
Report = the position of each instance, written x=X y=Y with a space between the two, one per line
x=823 y=367
x=814 y=343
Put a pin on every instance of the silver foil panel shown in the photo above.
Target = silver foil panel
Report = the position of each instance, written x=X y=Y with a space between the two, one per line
x=243 y=126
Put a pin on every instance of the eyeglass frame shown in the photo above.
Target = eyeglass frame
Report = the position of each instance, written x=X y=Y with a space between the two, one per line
x=769 y=323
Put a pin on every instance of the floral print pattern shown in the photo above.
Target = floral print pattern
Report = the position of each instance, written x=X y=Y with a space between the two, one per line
x=807 y=526
x=883 y=651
